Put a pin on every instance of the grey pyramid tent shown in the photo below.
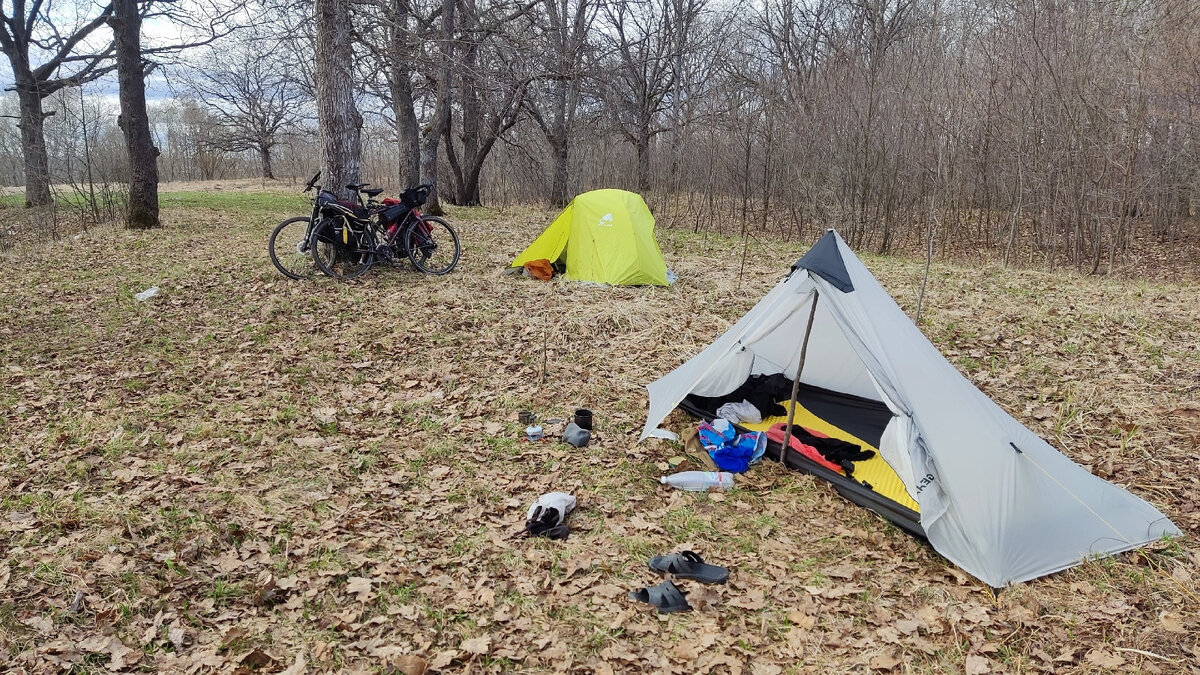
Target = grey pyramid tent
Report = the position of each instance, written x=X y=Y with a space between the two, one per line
x=953 y=467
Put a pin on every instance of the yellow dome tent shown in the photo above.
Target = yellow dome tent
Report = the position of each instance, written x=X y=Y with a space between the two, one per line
x=605 y=236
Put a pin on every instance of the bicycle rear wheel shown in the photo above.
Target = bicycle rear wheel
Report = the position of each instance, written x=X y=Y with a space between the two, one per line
x=432 y=245
x=335 y=258
x=288 y=248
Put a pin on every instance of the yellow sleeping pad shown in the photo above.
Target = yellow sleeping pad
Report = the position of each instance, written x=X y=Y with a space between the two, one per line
x=876 y=471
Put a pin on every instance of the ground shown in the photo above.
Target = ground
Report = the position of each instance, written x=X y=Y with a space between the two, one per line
x=250 y=474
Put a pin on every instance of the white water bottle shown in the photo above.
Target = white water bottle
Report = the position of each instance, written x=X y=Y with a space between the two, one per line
x=699 y=481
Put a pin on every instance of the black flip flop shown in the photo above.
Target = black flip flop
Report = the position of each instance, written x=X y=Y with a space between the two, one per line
x=666 y=596
x=688 y=565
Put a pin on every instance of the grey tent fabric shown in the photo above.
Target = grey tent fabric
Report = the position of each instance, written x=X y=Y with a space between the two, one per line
x=995 y=499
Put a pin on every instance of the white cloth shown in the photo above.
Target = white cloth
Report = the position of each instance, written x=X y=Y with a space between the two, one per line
x=561 y=501
x=740 y=412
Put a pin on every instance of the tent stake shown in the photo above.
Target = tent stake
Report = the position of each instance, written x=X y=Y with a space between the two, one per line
x=787 y=430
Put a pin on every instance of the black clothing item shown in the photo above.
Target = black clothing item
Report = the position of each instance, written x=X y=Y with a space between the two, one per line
x=545 y=524
x=762 y=391
x=842 y=453
x=832 y=449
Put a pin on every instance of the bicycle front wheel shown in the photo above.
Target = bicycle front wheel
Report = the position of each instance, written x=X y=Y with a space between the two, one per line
x=335 y=258
x=288 y=247
x=432 y=245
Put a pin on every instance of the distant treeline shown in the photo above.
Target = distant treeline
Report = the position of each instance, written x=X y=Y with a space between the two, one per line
x=1056 y=130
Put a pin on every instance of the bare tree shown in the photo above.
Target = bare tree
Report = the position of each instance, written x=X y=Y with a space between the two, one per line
x=33 y=32
x=252 y=99
x=553 y=101
x=636 y=85
x=392 y=32
x=649 y=50
x=493 y=77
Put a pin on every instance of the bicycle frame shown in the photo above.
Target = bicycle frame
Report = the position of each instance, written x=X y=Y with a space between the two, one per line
x=405 y=225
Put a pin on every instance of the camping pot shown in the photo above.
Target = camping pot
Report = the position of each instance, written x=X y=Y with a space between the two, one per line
x=526 y=417
x=583 y=419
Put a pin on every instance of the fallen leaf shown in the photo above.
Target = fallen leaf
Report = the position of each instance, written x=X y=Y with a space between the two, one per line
x=978 y=665
x=1104 y=658
x=802 y=620
x=1172 y=622
x=885 y=661
x=177 y=636
x=298 y=667
x=1067 y=655
x=120 y=656
x=228 y=562
x=410 y=664
x=752 y=600
x=479 y=645
x=265 y=590
x=361 y=586
x=256 y=659
x=841 y=571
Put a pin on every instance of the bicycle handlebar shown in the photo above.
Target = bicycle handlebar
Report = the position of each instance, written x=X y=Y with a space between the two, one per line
x=312 y=182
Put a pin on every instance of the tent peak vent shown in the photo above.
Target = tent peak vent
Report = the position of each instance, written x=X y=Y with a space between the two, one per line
x=824 y=259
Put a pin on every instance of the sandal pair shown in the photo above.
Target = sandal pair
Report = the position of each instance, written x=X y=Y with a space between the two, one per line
x=666 y=596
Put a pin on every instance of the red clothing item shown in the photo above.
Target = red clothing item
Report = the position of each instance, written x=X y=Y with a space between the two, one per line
x=775 y=433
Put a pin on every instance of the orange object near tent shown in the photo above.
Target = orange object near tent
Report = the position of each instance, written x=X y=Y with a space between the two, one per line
x=540 y=269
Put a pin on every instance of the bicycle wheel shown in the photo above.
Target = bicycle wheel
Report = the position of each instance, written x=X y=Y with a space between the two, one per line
x=334 y=258
x=432 y=245
x=288 y=247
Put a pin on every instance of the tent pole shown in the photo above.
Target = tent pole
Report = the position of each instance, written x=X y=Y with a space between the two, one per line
x=787 y=430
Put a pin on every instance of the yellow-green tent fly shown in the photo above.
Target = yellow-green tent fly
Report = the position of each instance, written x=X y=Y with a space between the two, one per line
x=605 y=236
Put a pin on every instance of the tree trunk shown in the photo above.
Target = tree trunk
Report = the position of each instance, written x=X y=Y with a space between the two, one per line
x=337 y=113
x=558 y=188
x=643 y=159
x=264 y=153
x=565 y=96
x=33 y=147
x=407 y=130
x=403 y=107
x=142 y=211
x=432 y=133
x=472 y=111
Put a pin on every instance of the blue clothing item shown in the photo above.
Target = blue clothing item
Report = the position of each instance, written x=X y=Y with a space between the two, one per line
x=712 y=438
x=731 y=451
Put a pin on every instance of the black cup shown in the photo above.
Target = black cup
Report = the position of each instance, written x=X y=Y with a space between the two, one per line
x=583 y=419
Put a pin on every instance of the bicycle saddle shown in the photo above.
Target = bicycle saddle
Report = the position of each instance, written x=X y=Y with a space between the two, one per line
x=356 y=186
x=372 y=192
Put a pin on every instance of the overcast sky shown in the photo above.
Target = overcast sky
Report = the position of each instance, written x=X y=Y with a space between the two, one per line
x=155 y=31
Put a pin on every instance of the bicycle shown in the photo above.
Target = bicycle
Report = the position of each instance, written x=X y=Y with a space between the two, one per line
x=288 y=244
x=345 y=245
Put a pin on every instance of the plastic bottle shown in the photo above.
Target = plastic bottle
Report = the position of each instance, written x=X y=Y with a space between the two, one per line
x=699 y=481
x=146 y=294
